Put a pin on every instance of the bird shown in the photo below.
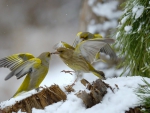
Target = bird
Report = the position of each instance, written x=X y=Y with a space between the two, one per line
x=35 y=69
x=81 y=36
x=79 y=59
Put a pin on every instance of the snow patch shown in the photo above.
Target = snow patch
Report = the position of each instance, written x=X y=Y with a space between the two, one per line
x=117 y=34
x=103 y=10
x=128 y=28
x=137 y=11
x=91 y=2
x=124 y=19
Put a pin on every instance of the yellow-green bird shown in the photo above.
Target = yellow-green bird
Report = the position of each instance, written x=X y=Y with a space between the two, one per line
x=22 y=64
x=81 y=36
x=80 y=58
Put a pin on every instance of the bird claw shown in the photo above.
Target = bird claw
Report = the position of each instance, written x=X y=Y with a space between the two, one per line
x=67 y=72
x=37 y=89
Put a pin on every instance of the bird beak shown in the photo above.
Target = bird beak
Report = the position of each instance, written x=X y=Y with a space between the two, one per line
x=56 y=52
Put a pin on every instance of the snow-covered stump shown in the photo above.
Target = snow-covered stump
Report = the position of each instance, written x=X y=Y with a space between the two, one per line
x=40 y=100
x=97 y=90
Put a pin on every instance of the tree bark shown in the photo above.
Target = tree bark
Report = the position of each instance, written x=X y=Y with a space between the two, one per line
x=134 y=110
x=40 y=100
x=97 y=90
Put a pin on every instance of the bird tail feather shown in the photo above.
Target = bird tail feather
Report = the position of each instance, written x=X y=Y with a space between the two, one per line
x=99 y=74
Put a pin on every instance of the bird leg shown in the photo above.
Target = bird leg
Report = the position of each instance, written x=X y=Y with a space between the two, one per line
x=74 y=82
x=37 y=89
x=67 y=71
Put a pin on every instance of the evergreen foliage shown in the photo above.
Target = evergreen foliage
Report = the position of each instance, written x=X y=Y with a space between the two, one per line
x=144 y=94
x=133 y=37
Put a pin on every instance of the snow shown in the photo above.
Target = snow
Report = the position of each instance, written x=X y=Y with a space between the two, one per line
x=124 y=19
x=109 y=12
x=91 y=2
x=102 y=27
x=137 y=11
x=140 y=27
x=102 y=10
x=118 y=102
x=117 y=34
x=128 y=28
x=18 y=98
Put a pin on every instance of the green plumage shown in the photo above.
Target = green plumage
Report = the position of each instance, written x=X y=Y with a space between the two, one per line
x=22 y=64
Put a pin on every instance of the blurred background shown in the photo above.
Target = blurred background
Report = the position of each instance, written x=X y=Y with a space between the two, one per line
x=35 y=26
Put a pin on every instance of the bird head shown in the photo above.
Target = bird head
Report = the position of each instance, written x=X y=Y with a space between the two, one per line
x=45 y=57
x=85 y=35
x=65 y=53
x=81 y=36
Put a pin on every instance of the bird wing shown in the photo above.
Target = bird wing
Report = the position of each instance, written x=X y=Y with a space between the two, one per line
x=63 y=44
x=108 y=51
x=15 y=60
x=27 y=67
x=89 y=48
x=81 y=36
x=77 y=41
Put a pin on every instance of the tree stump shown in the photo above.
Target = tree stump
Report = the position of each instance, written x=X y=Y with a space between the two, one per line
x=44 y=98
x=97 y=90
x=134 y=110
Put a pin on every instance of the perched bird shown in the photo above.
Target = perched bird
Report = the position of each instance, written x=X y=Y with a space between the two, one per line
x=22 y=64
x=80 y=58
x=81 y=36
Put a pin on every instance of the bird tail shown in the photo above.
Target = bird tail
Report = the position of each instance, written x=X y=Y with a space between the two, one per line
x=23 y=86
x=99 y=74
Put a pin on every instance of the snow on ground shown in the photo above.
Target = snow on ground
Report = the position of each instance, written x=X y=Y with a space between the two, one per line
x=118 y=102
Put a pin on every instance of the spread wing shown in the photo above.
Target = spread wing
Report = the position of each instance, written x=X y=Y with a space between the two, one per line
x=89 y=48
x=26 y=67
x=77 y=41
x=15 y=60
x=109 y=51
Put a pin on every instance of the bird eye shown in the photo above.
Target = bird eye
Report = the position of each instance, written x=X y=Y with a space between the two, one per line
x=48 y=55
x=60 y=51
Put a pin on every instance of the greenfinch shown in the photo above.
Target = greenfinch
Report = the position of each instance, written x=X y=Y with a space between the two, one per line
x=81 y=36
x=80 y=58
x=22 y=64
